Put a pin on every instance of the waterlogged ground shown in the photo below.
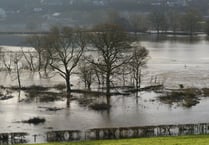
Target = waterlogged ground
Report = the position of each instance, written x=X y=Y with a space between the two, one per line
x=172 y=62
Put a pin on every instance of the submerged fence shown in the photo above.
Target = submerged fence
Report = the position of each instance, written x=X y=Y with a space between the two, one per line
x=110 y=133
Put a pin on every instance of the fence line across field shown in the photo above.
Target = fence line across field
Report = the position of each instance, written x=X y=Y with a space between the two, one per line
x=108 y=133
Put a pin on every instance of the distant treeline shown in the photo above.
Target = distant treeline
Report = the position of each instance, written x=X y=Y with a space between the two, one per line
x=40 y=15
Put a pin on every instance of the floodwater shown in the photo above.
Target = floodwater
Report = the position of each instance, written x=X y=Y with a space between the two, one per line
x=172 y=62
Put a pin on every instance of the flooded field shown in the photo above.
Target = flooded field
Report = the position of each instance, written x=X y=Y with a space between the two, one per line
x=172 y=62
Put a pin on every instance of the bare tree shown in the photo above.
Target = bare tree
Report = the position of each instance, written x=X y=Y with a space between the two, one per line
x=46 y=60
x=110 y=42
x=86 y=73
x=125 y=71
x=11 y=61
x=99 y=77
x=137 y=62
x=65 y=48
x=6 y=58
x=17 y=58
x=36 y=42
x=29 y=58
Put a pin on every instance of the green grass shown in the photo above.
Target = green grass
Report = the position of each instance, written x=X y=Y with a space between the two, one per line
x=183 y=140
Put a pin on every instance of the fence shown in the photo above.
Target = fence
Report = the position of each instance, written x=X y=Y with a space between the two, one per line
x=128 y=132
x=109 y=133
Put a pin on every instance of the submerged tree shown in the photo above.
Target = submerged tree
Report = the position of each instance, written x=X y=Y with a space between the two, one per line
x=110 y=42
x=65 y=47
x=36 y=42
x=16 y=59
x=86 y=71
x=137 y=62
x=30 y=59
x=6 y=59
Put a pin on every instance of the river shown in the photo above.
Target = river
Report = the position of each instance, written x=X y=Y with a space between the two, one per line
x=172 y=61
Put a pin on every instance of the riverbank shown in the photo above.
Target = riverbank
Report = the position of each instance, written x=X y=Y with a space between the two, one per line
x=181 y=140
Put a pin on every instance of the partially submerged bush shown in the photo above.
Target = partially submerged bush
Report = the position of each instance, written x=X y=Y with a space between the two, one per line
x=31 y=88
x=188 y=102
x=181 y=86
x=188 y=97
x=35 y=120
x=85 y=101
x=171 y=97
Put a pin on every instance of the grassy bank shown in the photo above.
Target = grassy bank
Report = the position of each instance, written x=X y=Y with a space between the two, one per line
x=183 y=140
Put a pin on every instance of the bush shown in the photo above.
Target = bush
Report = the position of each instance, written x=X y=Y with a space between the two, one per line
x=35 y=120
x=188 y=97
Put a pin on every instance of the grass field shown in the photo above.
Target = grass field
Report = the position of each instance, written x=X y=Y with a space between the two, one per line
x=183 y=140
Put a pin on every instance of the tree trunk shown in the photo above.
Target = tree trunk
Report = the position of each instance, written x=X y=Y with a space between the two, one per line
x=18 y=76
x=89 y=86
x=39 y=62
x=139 y=79
x=67 y=79
x=138 y=82
x=19 y=94
x=108 y=88
x=137 y=87
x=46 y=66
x=98 y=78
x=124 y=79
